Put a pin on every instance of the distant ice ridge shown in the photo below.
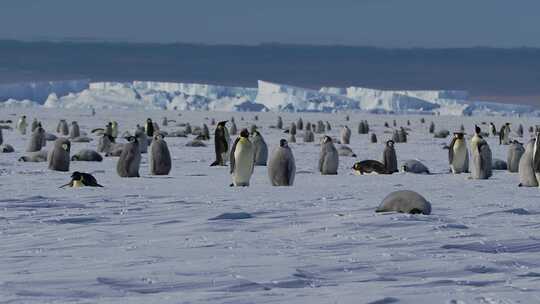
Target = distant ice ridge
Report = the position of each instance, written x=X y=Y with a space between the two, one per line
x=285 y=98
x=39 y=91
x=158 y=95
x=443 y=102
x=268 y=96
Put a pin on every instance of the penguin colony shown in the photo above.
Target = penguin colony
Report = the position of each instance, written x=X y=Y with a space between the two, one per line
x=249 y=150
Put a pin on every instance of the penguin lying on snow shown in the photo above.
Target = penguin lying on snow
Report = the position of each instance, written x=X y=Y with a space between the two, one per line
x=80 y=179
x=370 y=166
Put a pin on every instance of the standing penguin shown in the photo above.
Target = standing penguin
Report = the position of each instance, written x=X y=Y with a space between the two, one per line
x=373 y=138
x=527 y=177
x=149 y=128
x=309 y=136
x=504 y=134
x=58 y=157
x=164 y=122
x=109 y=131
x=35 y=124
x=279 y=124
x=519 y=131
x=36 y=140
x=536 y=157
x=74 y=132
x=22 y=125
x=233 y=130
x=261 y=149
x=458 y=156
x=281 y=167
x=292 y=129
x=300 y=124
x=130 y=159
x=481 y=157
x=62 y=127
x=160 y=157
x=1 y=137
x=221 y=145
x=345 y=135
x=389 y=157
x=114 y=129
x=493 y=129
x=241 y=159
x=515 y=152
x=329 y=157
x=142 y=139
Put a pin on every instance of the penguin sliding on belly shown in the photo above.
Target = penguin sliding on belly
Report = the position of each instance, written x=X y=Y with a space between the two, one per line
x=242 y=160
x=80 y=179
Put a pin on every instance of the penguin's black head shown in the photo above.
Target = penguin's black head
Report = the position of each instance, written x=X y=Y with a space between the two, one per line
x=390 y=143
x=158 y=136
x=39 y=124
x=222 y=123
x=149 y=120
x=477 y=129
x=132 y=139
x=283 y=143
x=327 y=139
x=24 y=116
x=458 y=135
x=244 y=133
x=77 y=176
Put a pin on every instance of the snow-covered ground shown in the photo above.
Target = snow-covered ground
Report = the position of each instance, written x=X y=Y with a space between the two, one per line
x=151 y=240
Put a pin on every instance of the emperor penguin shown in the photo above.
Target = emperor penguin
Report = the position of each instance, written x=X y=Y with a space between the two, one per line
x=493 y=129
x=81 y=179
x=109 y=131
x=292 y=129
x=300 y=124
x=329 y=157
x=345 y=135
x=234 y=129
x=160 y=157
x=1 y=137
x=402 y=134
x=482 y=159
x=142 y=140
x=205 y=132
x=130 y=159
x=536 y=157
x=22 y=125
x=87 y=155
x=504 y=134
x=309 y=136
x=519 y=131
x=477 y=137
x=35 y=124
x=389 y=157
x=241 y=160
x=149 y=128
x=74 y=132
x=281 y=167
x=458 y=156
x=279 y=124
x=527 y=178
x=292 y=138
x=261 y=149
x=62 y=127
x=36 y=140
x=104 y=144
x=58 y=157
x=221 y=144
x=164 y=121
x=515 y=152
x=114 y=129
x=373 y=138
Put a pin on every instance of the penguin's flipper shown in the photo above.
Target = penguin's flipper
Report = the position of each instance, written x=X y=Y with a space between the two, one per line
x=215 y=163
x=97 y=129
x=68 y=184
x=231 y=156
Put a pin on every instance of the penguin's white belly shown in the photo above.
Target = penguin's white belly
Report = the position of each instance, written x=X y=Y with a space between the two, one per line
x=460 y=157
x=243 y=164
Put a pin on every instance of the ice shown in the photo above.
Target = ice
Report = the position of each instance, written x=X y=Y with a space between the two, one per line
x=150 y=240
x=268 y=96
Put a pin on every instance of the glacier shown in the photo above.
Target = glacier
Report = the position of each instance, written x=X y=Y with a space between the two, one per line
x=267 y=96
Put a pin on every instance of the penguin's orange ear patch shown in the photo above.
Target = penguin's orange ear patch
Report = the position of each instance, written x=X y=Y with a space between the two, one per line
x=65 y=147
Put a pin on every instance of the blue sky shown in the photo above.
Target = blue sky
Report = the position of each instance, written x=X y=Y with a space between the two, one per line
x=385 y=23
